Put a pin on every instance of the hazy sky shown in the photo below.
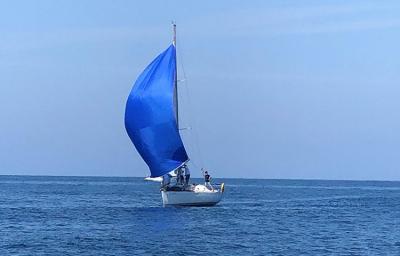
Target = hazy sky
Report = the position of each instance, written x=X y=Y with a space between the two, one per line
x=274 y=89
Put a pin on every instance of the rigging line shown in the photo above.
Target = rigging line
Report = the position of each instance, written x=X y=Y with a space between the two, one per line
x=195 y=137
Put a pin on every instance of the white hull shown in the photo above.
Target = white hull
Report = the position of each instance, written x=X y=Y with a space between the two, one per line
x=191 y=198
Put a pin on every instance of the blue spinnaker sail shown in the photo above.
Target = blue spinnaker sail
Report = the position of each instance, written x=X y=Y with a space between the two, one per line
x=150 y=116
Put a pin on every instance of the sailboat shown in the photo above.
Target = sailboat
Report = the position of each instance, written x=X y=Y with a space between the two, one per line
x=152 y=123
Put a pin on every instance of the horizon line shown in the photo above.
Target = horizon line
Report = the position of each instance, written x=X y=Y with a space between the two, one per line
x=238 y=178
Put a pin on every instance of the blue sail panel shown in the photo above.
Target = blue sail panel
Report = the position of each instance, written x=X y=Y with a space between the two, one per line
x=150 y=119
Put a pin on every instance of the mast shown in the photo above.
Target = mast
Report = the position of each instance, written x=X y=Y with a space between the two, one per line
x=176 y=77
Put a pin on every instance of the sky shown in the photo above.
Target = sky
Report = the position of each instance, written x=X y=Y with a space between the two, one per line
x=270 y=89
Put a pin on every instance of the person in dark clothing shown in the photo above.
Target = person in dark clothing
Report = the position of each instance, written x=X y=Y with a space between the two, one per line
x=182 y=178
x=207 y=180
x=179 y=176
x=187 y=175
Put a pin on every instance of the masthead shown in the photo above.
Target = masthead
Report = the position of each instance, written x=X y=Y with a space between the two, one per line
x=174 y=31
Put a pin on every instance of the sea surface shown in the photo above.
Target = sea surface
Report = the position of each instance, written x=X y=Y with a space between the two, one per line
x=124 y=216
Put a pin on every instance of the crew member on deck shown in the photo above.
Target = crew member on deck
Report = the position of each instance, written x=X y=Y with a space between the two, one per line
x=181 y=177
x=178 y=176
x=176 y=172
x=207 y=180
x=187 y=175
x=165 y=181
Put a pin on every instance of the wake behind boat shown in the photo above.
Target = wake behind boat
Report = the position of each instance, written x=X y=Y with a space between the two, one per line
x=152 y=123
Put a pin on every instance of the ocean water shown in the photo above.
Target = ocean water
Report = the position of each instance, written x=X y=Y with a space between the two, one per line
x=124 y=216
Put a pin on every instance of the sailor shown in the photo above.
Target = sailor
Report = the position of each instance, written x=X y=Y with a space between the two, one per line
x=165 y=181
x=182 y=178
x=207 y=180
x=176 y=172
x=187 y=175
x=179 y=176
